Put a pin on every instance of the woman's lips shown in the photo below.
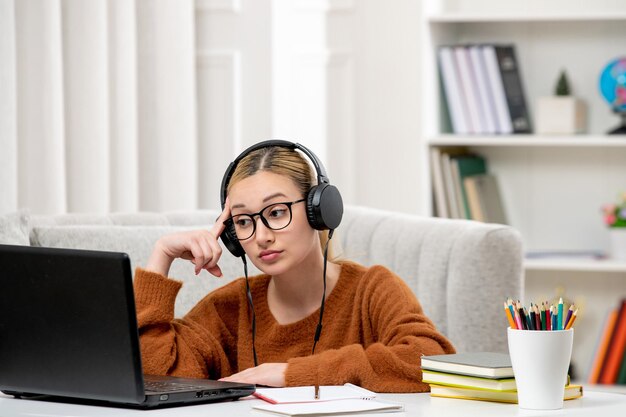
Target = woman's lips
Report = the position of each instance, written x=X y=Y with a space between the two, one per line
x=269 y=255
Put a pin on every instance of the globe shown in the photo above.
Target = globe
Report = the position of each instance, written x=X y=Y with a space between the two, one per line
x=613 y=89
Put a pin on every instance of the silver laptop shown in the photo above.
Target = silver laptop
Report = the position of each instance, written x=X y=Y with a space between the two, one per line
x=68 y=331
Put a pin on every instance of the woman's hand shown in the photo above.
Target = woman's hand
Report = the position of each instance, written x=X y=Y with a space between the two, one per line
x=268 y=374
x=198 y=246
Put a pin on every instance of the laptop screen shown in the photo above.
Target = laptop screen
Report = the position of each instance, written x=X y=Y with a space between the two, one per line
x=68 y=324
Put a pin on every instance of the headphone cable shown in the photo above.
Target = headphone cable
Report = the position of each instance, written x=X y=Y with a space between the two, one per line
x=318 y=330
x=251 y=304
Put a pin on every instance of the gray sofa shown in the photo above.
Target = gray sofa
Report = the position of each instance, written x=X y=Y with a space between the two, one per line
x=461 y=271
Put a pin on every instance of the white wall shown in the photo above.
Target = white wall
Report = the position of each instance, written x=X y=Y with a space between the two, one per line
x=104 y=107
x=345 y=82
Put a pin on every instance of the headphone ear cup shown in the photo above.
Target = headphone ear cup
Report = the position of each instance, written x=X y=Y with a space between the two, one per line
x=312 y=210
x=229 y=237
x=324 y=207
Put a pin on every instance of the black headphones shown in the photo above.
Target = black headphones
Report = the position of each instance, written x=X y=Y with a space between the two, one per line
x=324 y=205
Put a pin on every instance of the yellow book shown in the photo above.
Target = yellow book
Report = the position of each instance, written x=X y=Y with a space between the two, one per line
x=464 y=381
x=570 y=392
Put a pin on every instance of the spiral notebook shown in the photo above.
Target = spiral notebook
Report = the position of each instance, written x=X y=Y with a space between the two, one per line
x=291 y=395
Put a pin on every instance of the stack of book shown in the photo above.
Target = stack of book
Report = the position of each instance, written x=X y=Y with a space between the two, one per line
x=483 y=376
x=609 y=359
x=462 y=187
x=483 y=89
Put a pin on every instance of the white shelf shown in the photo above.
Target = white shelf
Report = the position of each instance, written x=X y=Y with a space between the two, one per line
x=524 y=17
x=601 y=141
x=552 y=186
x=568 y=264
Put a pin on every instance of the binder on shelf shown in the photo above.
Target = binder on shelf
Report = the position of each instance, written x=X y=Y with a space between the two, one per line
x=485 y=94
x=469 y=90
x=452 y=89
x=512 y=82
x=496 y=87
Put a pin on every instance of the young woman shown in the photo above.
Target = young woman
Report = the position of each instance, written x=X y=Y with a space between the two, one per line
x=374 y=328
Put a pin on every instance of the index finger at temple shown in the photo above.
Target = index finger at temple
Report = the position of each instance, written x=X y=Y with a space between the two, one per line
x=219 y=226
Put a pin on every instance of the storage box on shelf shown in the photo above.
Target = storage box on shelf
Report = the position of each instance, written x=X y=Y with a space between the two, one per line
x=552 y=187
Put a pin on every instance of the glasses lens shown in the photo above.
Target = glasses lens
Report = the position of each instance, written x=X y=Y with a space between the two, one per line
x=278 y=216
x=244 y=226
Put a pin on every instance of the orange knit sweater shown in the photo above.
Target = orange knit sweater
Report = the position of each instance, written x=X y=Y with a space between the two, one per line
x=374 y=332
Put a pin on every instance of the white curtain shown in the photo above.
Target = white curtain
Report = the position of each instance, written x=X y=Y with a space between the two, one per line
x=98 y=105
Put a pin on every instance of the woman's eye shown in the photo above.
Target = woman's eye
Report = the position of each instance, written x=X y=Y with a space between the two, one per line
x=277 y=212
x=242 y=222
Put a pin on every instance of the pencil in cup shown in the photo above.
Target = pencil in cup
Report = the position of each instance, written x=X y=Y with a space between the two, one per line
x=548 y=317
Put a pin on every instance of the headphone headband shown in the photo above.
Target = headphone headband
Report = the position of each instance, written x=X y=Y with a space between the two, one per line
x=320 y=171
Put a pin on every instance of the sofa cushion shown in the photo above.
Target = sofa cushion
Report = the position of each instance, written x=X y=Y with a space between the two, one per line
x=138 y=242
x=14 y=228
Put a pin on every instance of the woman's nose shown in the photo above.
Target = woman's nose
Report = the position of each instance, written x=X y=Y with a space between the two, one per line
x=263 y=233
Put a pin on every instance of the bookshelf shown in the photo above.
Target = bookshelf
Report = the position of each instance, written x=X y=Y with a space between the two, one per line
x=552 y=186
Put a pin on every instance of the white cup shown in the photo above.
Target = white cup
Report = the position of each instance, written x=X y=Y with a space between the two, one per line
x=540 y=360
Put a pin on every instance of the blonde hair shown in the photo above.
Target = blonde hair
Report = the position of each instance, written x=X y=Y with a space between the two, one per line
x=282 y=161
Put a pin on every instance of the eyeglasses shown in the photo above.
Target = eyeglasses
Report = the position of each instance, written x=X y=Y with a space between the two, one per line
x=276 y=216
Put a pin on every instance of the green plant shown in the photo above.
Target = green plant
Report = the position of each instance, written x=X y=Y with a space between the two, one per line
x=562 y=85
x=615 y=214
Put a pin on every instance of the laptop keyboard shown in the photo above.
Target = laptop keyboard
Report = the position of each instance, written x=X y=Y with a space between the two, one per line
x=161 y=386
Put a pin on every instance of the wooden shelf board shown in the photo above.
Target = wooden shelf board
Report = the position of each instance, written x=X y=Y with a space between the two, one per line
x=569 y=264
x=529 y=140
x=525 y=17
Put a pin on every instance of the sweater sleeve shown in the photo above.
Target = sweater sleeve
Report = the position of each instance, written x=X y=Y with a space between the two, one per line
x=390 y=361
x=193 y=346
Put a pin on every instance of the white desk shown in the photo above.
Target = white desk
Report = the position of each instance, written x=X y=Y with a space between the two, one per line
x=593 y=403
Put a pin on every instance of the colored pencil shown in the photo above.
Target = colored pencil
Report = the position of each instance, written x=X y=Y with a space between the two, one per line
x=507 y=311
x=571 y=320
x=569 y=315
x=537 y=317
x=560 y=321
x=522 y=316
x=529 y=325
x=544 y=322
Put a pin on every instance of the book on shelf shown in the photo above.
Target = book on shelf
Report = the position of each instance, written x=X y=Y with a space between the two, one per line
x=484 y=198
x=483 y=89
x=569 y=393
x=439 y=191
x=512 y=81
x=452 y=90
x=480 y=364
x=454 y=205
x=496 y=88
x=485 y=95
x=469 y=90
x=464 y=381
x=615 y=350
x=602 y=346
x=463 y=166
